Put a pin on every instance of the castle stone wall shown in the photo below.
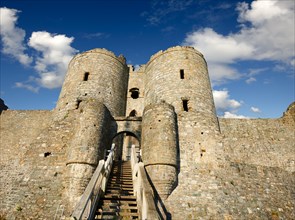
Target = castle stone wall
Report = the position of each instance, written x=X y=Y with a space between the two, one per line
x=248 y=174
x=203 y=167
x=33 y=151
x=233 y=191
x=261 y=142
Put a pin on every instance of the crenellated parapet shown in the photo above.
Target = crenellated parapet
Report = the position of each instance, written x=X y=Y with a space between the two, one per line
x=104 y=51
x=172 y=49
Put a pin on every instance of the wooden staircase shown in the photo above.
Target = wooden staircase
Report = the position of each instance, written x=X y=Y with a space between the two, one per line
x=118 y=201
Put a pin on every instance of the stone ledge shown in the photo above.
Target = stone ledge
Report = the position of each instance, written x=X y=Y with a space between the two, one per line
x=128 y=118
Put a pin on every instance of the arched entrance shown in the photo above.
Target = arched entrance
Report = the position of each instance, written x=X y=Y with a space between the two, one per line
x=124 y=140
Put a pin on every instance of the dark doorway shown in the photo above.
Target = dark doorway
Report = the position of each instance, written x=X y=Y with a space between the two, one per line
x=125 y=140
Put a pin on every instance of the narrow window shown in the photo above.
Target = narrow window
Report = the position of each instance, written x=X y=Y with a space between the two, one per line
x=86 y=76
x=181 y=74
x=46 y=154
x=134 y=93
x=185 y=105
x=133 y=113
x=78 y=103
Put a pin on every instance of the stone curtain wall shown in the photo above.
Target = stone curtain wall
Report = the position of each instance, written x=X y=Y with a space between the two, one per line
x=233 y=191
x=261 y=142
x=251 y=175
x=35 y=148
x=32 y=162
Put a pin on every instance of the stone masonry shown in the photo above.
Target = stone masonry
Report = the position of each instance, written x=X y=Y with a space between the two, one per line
x=200 y=166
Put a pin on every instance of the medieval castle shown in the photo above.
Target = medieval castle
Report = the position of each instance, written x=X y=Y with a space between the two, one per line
x=200 y=166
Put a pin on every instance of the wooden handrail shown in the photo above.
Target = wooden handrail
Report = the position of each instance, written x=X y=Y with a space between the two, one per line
x=85 y=209
x=142 y=189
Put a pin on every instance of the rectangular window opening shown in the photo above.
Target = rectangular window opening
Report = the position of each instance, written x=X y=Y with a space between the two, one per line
x=185 y=105
x=181 y=74
x=86 y=76
x=78 y=103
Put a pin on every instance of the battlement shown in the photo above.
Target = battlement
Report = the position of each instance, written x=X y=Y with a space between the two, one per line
x=104 y=51
x=172 y=49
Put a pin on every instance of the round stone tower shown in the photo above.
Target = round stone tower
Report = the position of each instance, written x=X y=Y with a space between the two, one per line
x=159 y=146
x=97 y=74
x=179 y=76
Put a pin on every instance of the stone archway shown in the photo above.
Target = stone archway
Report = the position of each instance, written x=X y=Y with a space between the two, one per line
x=129 y=124
x=125 y=140
x=128 y=133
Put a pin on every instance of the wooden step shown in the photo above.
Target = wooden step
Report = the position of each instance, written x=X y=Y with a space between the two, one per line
x=120 y=187
x=118 y=201
x=120 y=197
x=121 y=178
x=105 y=217
x=114 y=181
x=120 y=191
x=119 y=207
x=118 y=213
x=129 y=193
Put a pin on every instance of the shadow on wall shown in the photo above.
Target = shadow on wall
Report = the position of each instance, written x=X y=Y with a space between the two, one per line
x=177 y=151
x=160 y=206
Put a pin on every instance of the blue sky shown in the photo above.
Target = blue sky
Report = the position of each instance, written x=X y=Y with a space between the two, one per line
x=249 y=46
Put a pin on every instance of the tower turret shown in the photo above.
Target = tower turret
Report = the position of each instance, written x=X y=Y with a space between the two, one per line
x=179 y=76
x=159 y=146
x=97 y=74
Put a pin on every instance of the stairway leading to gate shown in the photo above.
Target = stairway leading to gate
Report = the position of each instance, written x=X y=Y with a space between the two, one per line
x=118 y=201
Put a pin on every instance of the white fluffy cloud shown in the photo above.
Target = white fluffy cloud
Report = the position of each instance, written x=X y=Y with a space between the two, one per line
x=266 y=33
x=271 y=32
x=250 y=80
x=55 y=54
x=26 y=86
x=226 y=107
x=13 y=37
x=218 y=48
x=223 y=102
x=222 y=73
x=256 y=110
x=232 y=115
